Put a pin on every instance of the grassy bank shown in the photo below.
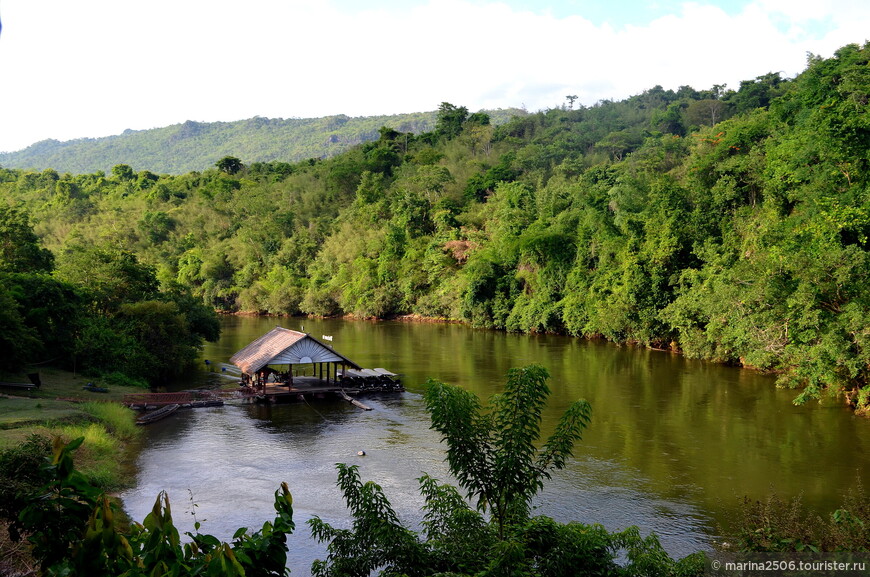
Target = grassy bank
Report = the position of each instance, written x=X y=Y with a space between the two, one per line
x=62 y=407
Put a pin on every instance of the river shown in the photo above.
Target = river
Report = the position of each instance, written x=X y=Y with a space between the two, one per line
x=673 y=446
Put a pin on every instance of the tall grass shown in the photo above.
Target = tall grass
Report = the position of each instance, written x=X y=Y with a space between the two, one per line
x=118 y=419
x=99 y=455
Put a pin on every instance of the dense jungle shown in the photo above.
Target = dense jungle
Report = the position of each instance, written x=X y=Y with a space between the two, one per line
x=730 y=224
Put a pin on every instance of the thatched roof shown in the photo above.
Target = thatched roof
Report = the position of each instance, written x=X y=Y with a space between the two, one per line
x=282 y=346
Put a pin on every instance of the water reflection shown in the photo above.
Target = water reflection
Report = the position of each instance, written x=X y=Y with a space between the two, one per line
x=672 y=446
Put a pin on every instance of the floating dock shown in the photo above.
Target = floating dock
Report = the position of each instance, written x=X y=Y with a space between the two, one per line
x=306 y=388
x=185 y=399
x=282 y=366
x=270 y=367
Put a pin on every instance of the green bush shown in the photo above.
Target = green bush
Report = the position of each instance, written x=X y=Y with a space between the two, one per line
x=778 y=525
x=118 y=379
x=74 y=529
x=20 y=474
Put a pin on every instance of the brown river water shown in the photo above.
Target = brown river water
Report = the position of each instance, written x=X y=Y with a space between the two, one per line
x=673 y=446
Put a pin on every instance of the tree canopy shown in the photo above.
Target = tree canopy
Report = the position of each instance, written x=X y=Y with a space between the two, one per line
x=20 y=250
x=729 y=225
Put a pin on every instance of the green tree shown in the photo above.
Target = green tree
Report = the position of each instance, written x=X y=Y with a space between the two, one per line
x=156 y=226
x=19 y=245
x=706 y=112
x=758 y=93
x=450 y=120
x=495 y=456
x=51 y=308
x=110 y=275
x=431 y=180
x=230 y=165
x=493 y=453
x=671 y=120
x=123 y=172
x=18 y=341
x=163 y=335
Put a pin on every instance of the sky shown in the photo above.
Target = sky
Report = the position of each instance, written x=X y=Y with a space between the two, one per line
x=90 y=68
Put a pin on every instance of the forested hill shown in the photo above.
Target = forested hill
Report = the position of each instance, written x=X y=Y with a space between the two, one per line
x=197 y=146
x=727 y=224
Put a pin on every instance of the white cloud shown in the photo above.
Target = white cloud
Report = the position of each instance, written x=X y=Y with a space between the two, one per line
x=96 y=67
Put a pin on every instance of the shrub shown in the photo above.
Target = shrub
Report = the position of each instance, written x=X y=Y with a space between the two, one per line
x=778 y=525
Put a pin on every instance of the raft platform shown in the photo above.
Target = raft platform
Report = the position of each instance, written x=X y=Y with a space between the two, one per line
x=306 y=388
x=185 y=399
x=274 y=367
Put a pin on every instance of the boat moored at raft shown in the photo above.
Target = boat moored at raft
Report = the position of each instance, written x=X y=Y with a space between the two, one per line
x=152 y=416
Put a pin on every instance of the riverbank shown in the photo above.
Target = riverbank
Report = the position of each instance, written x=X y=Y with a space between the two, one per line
x=61 y=406
x=849 y=398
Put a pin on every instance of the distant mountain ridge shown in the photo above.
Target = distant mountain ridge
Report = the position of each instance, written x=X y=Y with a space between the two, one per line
x=196 y=146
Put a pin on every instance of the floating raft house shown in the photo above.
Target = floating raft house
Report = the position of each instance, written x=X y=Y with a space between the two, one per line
x=276 y=367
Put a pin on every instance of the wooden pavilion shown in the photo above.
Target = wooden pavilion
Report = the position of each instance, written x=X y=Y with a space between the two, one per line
x=285 y=347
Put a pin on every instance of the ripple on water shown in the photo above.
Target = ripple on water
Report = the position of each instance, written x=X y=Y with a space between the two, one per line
x=673 y=445
x=224 y=464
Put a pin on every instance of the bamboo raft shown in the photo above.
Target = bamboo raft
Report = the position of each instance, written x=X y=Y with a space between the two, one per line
x=184 y=398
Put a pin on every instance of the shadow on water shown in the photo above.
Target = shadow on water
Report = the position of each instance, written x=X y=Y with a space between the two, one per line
x=673 y=446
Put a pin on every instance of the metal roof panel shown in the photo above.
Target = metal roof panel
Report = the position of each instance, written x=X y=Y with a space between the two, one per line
x=282 y=346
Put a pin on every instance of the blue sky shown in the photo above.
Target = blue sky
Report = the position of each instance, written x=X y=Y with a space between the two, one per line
x=92 y=68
